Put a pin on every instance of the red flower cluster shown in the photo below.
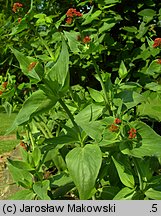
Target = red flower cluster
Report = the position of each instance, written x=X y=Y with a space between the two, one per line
x=69 y=20
x=157 y=42
x=86 y=39
x=22 y=145
x=19 y=20
x=4 y=85
x=114 y=128
x=117 y=121
x=16 y=6
x=132 y=133
x=159 y=61
x=72 y=13
x=1 y=92
x=31 y=65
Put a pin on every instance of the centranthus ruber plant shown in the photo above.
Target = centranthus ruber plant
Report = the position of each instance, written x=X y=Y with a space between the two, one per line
x=90 y=119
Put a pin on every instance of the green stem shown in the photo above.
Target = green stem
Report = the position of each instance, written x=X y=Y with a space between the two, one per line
x=31 y=139
x=41 y=128
x=58 y=131
x=139 y=175
x=71 y=118
x=46 y=127
x=48 y=49
x=102 y=84
x=93 y=197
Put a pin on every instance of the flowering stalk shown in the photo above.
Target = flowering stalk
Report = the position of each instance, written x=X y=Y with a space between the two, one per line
x=102 y=85
x=72 y=119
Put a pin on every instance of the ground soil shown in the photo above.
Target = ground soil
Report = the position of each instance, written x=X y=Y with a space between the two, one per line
x=7 y=186
x=10 y=137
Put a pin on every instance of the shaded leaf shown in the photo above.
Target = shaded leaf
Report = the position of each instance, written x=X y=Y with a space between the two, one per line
x=83 y=165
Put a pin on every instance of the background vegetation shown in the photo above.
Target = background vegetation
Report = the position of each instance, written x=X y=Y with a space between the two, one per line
x=85 y=78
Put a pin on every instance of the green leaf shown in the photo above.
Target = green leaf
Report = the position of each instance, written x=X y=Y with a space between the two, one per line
x=37 y=103
x=125 y=194
x=36 y=155
x=73 y=41
x=92 y=17
x=23 y=195
x=107 y=26
x=154 y=68
x=58 y=76
x=132 y=29
x=124 y=173
x=108 y=192
x=111 y=1
x=153 y=86
x=130 y=98
x=149 y=145
x=153 y=194
x=20 y=27
x=20 y=164
x=20 y=175
x=97 y=96
x=151 y=107
x=142 y=30
x=83 y=165
x=147 y=12
x=94 y=129
x=90 y=112
x=122 y=70
x=29 y=66
x=41 y=188
x=61 y=179
x=108 y=137
x=57 y=158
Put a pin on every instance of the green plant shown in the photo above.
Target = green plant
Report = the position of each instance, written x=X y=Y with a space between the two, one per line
x=90 y=140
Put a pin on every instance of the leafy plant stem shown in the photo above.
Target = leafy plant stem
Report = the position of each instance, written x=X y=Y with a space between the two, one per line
x=138 y=171
x=93 y=197
x=71 y=118
x=102 y=85
x=48 y=49
x=41 y=128
x=46 y=127
x=31 y=139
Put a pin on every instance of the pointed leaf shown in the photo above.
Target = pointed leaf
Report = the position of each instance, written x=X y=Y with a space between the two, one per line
x=58 y=75
x=37 y=103
x=83 y=165
x=149 y=145
x=41 y=188
x=125 y=194
x=125 y=174
x=122 y=70
x=153 y=194
x=29 y=66
x=23 y=195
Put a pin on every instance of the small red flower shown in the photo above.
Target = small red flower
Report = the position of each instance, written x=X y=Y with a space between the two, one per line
x=158 y=61
x=86 y=39
x=78 y=38
x=16 y=6
x=22 y=144
x=157 y=42
x=19 y=20
x=113 y=128
x=4 y=85
x=31 y=65
x=117 y=121
x=1 y=92
x=72 y=12
x=69 y=20
x=132 y=133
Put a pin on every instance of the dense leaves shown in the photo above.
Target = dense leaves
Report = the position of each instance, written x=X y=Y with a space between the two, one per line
x=86 y=78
